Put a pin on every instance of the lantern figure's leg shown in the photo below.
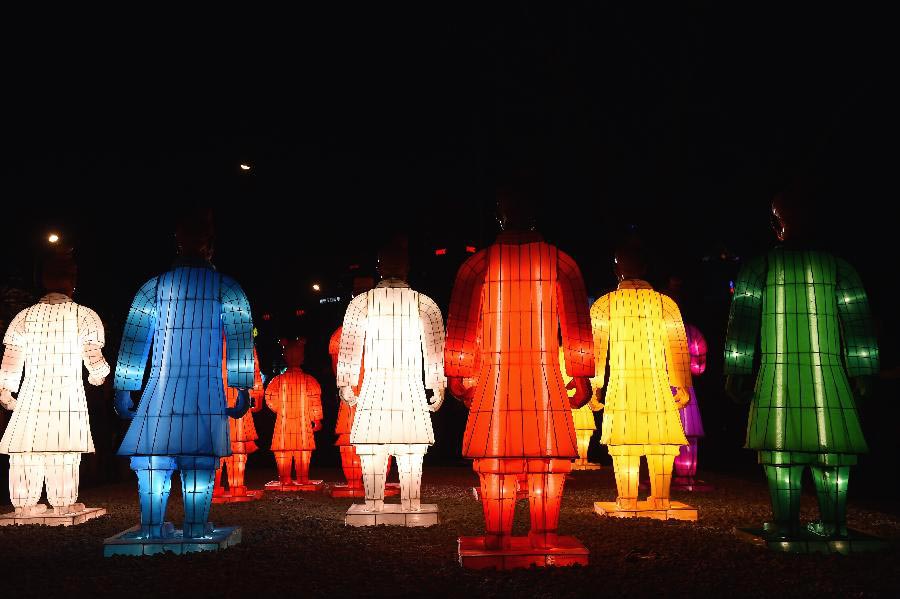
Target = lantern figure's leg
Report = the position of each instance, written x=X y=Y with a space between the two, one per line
x=352 y=466
x=301 y=465
x=237 y=464
x=154 y=474
x=374 y=460
x=61 y=472
x=283 y=462
x=546 y=479
x=409 y=466
x=498 y=499
x=784 y=490
x=26 y=479
x=218 y=490
x=197 y=477
x=627 y=467
x=660 y=467
x=831 y=490
x=583 y=438
x=686 y=462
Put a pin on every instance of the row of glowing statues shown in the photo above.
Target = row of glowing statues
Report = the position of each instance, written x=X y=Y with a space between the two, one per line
x=519 y=338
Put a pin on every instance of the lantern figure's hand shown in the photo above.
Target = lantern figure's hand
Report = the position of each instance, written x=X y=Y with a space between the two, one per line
x=96 y=380
x=7 y=400
x=122 y=405
x=583 y=391
x=862 y=387
x=435 y=398
x=460 y=391
x=316 y=425
x=681 y=396
x=240 y=406
x=348 y=396
x=736 y=388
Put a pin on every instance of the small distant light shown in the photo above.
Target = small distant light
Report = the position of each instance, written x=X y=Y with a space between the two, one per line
x=470 y=249
x=440 y=252
x=245 y=167
x=354 y=267
x=300 y=312
x=316 y=287
x=267 y=316
x=53 y=238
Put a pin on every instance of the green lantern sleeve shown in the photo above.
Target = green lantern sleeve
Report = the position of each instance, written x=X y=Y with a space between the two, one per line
x=802 y=303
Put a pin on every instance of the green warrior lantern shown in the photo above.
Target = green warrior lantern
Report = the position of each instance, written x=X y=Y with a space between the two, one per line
x=810 y=310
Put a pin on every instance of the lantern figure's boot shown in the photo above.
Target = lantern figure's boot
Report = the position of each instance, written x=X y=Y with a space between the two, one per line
x=627 y=468
x=660 y=468
x=546 y=479
x=831 y=490
x=409 y=467
x=686 y=463
x=301 y=466
x=784 y=490
x=583 y=438
x=352 y=467
x=374 y=460
x=62 y=475
x=26 y=479
x=218 y=489
x=154 y=474
x=198 y=475
x=498 y=498
x=283 y=461
x=237 y=464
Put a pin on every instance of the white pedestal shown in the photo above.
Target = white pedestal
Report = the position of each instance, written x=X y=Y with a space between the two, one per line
x=392 y=515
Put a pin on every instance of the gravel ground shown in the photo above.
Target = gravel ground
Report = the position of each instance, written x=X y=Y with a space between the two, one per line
x=298 y=545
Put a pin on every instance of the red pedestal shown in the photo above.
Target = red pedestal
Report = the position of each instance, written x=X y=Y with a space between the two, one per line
x=521 y=554
x=250 y=495
x=309 y=486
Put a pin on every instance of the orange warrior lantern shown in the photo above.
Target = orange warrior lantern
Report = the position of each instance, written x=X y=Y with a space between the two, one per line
x=295 y=397
x=515 y=295
x=583 y=419
x=243 y=441
x=649 y=375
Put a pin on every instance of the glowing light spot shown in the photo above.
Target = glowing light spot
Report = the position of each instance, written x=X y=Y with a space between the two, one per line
x=53 y=238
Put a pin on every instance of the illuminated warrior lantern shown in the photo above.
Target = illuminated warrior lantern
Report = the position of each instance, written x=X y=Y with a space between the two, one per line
x=583 y=420
x=181 y=421
x=243 y=440
x=49 y=429
x=296 y=399
x=401 y=334
x=642 y=333
x=809 y=311
x=515 y=295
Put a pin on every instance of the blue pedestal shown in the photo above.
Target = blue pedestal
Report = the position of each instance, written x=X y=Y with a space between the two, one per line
x=124 y=543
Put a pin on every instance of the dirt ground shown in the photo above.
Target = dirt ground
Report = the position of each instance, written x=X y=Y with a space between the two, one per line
x=298 y=545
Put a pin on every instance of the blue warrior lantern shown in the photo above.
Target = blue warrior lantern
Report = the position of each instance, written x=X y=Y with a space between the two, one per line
x=181 y=421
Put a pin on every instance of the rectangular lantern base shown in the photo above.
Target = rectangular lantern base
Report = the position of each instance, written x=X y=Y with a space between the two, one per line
x=568 y=552
x=220 y=538
x=309 y=486
x=588 y=466
x=344 y=490
x=49 y=518
x=392 y=515
x=250 y=495
x=855 y=542
x=676 y=511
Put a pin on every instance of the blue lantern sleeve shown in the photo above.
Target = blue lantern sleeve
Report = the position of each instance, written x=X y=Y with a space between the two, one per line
x=238 y=325
x=139 y=328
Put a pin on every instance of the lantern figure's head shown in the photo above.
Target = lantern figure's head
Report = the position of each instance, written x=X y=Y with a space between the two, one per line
x=362 y=284
x=517 y=202
x=793 y=211
x=195 y=233
x=294 y=351
x=393 y=260
x=630 y=259
x=675 y=286
x=59 y=272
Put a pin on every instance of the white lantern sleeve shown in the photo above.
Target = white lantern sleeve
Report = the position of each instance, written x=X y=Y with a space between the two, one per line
x=352 y=343
x=12 y=367
x=238 y=325
x=433 y=347
x=136 y=339
x=92 y=341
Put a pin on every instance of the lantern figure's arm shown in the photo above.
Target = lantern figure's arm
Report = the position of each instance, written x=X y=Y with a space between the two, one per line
x=433 y=349
x=334 y=349
x=238 y=325
x=697 y=348
x=462 y=320
x=257 y=393
x=860 y=343
x=314 y=396
x=14 y=357
x=136 y=338
x=678 y=358
x=600 y=315
x=744 y=318
x=353 y=341
x=574 y=319
x=91 y=334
